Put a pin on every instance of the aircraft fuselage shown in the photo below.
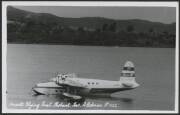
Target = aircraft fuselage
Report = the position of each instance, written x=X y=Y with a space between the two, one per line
x=91 y=87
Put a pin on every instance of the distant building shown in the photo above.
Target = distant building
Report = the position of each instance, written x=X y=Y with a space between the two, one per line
x=11 y=22
x=73 y=27
x=89 y=29
x=84 y=28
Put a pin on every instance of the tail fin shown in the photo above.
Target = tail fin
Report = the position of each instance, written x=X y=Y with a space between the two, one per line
x=128 y=70
x=128 y=75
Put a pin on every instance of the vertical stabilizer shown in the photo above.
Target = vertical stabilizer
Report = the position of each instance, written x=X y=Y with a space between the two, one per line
x=128 y=75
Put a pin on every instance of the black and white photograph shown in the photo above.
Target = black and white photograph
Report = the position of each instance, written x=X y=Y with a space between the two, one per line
x=90 y=57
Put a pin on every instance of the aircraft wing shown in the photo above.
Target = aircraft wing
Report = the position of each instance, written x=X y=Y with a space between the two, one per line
x=71 y=96
x=71 y=83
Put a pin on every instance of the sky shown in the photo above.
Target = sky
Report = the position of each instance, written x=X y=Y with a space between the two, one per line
x=155 y=14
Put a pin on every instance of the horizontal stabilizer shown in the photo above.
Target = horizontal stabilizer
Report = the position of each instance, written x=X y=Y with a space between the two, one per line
x=127 y=84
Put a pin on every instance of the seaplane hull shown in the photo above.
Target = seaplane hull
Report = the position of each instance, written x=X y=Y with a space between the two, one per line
x=48 y=88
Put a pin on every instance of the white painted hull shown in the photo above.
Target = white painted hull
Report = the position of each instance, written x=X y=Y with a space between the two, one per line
x=48 y=91
x=48 y=88
x=60 y=90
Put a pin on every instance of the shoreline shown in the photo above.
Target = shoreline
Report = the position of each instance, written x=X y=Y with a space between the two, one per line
x=115 y=46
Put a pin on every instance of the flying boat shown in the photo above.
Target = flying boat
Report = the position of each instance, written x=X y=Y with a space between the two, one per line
x=73 y=87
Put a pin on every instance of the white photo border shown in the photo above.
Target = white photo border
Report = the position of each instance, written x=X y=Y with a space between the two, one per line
x=85 y=3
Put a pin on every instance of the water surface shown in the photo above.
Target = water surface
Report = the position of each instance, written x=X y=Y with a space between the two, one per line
x=31 y=64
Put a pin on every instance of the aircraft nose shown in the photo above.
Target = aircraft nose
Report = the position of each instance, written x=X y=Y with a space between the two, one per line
x=35 y=90
x=35 y=86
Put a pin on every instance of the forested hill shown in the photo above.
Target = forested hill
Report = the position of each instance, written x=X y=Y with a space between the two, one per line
x=28 y=27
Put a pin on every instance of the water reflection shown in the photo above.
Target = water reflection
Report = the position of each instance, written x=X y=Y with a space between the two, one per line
x=111 y=98
x=120 y=102
x=79 y=101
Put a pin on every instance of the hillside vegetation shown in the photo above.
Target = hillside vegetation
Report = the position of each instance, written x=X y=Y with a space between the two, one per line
x=42 y=28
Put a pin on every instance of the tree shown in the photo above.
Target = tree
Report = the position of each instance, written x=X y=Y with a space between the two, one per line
x=165 y=33
x=104 y=27
x=130 y=28
x=112 y=27
x=151 y=30
x=98 y=30
x=81 y=29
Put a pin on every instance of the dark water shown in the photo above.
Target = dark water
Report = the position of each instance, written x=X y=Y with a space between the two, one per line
x=31 y=64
